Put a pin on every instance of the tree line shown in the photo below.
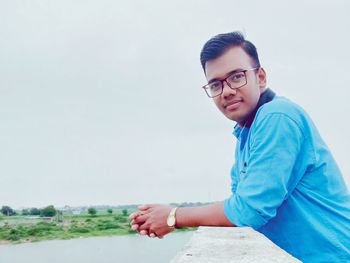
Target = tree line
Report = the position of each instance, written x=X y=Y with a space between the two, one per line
x=48 y=211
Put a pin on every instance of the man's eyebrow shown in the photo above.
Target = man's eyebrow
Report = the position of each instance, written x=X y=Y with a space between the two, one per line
x=227 y=74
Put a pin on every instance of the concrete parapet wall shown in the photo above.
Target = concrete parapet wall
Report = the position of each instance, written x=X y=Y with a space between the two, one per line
x=231 y=244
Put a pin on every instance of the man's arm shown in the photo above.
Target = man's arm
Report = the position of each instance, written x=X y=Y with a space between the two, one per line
x=207 y=215
x=152 y=218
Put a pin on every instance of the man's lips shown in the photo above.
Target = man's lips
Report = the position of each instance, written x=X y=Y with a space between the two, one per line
x=233 y=104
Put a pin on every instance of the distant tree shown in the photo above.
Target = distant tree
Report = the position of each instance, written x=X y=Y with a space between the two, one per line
x=125 y=212
x=34 y=211
x=110 y=211
x=25 y=212
x=49 y=211
x=7 y=211
x=92 y=211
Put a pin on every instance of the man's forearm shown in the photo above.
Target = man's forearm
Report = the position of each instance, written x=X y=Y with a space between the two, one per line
x=207 y=215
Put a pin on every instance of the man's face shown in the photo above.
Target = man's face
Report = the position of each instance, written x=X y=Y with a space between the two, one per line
x=236 y=104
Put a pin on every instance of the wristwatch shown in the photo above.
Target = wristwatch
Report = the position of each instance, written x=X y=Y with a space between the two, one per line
x=171 y=221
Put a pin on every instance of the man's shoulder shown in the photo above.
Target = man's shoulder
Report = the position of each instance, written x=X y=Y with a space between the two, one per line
x=281 y=105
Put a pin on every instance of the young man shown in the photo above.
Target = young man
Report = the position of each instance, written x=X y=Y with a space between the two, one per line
x=285 y=182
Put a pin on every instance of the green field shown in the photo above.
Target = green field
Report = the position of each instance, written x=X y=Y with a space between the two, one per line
x=18 y=229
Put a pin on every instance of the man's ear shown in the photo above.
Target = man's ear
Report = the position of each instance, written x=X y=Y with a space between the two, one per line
x=261 y=78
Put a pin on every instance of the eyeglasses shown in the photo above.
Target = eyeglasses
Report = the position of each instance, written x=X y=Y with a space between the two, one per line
x=235 y=80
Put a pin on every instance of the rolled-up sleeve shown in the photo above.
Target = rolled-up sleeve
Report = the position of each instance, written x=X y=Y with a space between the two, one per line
x=270 y=177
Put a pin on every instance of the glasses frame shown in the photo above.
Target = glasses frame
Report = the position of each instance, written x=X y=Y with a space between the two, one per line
x=207 y=86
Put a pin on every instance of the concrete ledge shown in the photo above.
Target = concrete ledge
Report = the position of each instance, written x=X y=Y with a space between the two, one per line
x=231 y=244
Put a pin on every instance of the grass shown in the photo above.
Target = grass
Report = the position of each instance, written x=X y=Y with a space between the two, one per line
x=18 y=229
x=25 y=229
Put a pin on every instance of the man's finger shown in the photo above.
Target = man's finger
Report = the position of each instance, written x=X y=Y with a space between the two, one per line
x=133 y=215
x=140 y=219
x=146 y=206
x=135 y=227
x=144 y=226
x=143 y=232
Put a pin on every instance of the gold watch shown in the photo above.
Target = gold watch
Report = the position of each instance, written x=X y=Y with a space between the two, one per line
x=171 y=221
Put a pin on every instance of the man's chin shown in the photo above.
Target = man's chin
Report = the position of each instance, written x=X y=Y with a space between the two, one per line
x=236 y=118
x=232 y=117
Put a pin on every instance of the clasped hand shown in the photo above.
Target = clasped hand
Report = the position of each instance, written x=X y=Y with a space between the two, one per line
x=151 y=220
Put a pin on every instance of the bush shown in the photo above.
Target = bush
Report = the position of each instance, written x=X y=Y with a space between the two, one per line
x=45 y=224
x=121 y=219
x=22 y=232
x=92 y=211
x=34 y=211
x=42 y=228
x=12 y=234
x=107 y=226
x=76 y=229
x=25 y=212
x=14 y=237
x=48 y=211
x=33 y=232
x=104 y=221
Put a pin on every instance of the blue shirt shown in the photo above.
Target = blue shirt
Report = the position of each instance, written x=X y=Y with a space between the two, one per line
x=287 y=186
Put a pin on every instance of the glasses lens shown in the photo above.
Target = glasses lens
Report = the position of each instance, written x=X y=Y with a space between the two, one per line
x=236 y=80
x=214 y=88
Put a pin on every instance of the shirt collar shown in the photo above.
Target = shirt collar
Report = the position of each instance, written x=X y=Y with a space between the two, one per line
x=265 y=97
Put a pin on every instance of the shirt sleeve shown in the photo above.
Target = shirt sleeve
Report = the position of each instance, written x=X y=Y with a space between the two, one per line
x=275 y=144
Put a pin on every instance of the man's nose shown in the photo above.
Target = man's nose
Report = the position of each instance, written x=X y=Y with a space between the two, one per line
x=227 y=90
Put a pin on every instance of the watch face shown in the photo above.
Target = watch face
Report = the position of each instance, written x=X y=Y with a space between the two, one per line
x=171 y=221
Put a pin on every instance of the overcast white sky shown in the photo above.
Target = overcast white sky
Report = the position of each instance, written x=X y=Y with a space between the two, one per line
x=100 y=101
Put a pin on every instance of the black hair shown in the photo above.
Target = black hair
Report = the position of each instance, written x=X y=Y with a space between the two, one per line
x=218 y=44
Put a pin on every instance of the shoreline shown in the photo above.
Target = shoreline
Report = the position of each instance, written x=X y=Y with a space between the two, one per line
x=8 y=242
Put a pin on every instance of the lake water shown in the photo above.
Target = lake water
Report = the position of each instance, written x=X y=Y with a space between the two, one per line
x=119 y=249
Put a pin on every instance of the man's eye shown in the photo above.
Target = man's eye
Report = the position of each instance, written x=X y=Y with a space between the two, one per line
x=215 y=86
x=236 y=77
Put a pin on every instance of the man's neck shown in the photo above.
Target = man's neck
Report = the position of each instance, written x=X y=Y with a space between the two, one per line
x=266 y=96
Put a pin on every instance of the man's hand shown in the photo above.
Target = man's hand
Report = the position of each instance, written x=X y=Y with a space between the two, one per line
x=135 y=226
x=151 y=220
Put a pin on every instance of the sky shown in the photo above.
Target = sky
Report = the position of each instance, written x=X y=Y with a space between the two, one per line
x=101 y=101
